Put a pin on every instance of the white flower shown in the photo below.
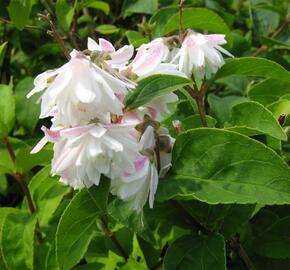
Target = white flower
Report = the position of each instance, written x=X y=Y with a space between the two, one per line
x=119 y=58
x=150 y=59
x=136 y=187
x=82 y=154
x=200 y=54
x=79 y=92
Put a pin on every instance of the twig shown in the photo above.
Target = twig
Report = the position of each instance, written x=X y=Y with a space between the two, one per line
x=181 y=34
x=55 y=35
x=20 y=178
x=198 y=96
x=238 y=248
x=157 y=151
x=108 y=233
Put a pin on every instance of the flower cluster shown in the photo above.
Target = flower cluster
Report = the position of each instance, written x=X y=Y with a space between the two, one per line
x=92 y=133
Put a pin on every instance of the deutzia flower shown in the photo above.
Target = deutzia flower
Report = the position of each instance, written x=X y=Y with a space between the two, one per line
x=78 y=92
x=82 y=154
x=151 y=59
x=142 y=184
x=201 y=54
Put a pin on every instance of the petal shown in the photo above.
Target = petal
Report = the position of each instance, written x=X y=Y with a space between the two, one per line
x=84 y=92
x=39 y=145
x=98 y=131
x=147 y=140
x=69 y=133
x=51 y=135
x=221 y=49
x=139 y=58
x=93 y=45
x=217 y=39
x=153 y=59
x=122 y=56
x=106 y=45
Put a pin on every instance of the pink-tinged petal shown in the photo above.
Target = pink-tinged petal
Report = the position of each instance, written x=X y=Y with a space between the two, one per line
x=218 y=39
x=120 y=97
x=189 y=41
x=51 y=135
x=93 y=45
x=153 y=112
x=122 y=56
x=75 y=131
x=39 y=145
x=153 y=59
x=139 y=58
x=106 y=45
x=139 y=164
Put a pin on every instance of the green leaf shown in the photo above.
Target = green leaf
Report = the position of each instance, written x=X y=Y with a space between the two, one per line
x=76 y=229
x=139 y=6
x=47 y=193
x=254 y=116
x=153 y=87
x=237 y=215
x=280 y=107
x=220 y=107
x=101 y=5
x=26 y=161
x=17 y=240
x=199 y=18
x=252 y=66
x=196 y=253
x=7 y=105
x=64 y=14
x=19 y=11
x=51 y=262
x=135 y=38
x=107 y=29
x=160 y=19
x=269 y=91
x=123 y=214
x=274 y=241
x=219 y=166
x=265 y=20
x=3 y=184
x=27 y=111
x=100 y=194
x=3 y=48
x=6 y=164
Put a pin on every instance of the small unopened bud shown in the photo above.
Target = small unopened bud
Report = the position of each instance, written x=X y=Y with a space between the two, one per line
x=281 y=119
x=177 y=126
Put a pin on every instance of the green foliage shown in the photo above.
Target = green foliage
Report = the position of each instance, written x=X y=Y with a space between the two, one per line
x=7 y=113
x=225 y=201
x=76 y=229
x=196 y=252
x=153 y=87
x=17 y=237
x=19 y=12
x=244 y=175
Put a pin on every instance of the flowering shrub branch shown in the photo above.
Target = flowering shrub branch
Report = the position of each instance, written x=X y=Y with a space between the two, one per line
x=158 y=142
